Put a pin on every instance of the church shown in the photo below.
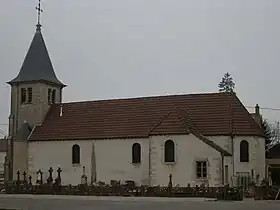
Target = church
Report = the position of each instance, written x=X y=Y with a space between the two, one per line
x=205 y=138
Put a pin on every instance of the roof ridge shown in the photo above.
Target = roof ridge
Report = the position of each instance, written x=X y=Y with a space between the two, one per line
x=144 y=97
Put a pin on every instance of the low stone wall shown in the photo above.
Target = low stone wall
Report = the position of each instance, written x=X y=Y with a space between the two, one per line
x=53 y=186
x=224 y=193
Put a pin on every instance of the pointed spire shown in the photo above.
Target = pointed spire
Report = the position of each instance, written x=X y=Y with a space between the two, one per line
x=37 y=64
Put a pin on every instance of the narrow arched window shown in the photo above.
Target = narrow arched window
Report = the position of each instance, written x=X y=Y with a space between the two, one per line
x=76 y=154
x=169 y=151
x=244 y=151
x=136 y=153
x=53 y=96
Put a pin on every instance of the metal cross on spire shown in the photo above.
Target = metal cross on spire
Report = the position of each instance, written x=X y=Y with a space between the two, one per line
x=39 y=10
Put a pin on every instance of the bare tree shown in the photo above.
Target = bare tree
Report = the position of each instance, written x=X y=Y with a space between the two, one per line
x=271 y=132
x=2 y=133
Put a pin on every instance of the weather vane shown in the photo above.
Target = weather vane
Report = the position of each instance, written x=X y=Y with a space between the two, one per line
x=39 y=9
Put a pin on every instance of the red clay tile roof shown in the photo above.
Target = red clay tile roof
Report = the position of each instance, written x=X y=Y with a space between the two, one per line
x=212 y=113
x=170 y=124
x=180 y=121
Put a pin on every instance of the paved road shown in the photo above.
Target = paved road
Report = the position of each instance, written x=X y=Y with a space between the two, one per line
x=23 y=202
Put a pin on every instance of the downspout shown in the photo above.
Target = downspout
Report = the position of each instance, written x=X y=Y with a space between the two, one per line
x=232 y=149
x=60 y=98
x=223 y=169
x=16 y=129
x=13 y=137
x=17 y=110
x=231 y=138
x=149 y=164
x=233 y=161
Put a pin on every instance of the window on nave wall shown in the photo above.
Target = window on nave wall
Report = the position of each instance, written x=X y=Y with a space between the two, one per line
x=201 y=169
x=76 y=154
x=136 y=153
x=169 y=151
x=244 y=151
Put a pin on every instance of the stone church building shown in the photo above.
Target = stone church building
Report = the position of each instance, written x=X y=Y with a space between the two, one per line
x=199 y=138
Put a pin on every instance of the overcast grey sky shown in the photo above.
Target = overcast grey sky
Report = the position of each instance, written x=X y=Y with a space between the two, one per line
x=125 y=48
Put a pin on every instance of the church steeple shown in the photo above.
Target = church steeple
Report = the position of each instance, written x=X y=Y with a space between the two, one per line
x=37 y=66
x=33 y=91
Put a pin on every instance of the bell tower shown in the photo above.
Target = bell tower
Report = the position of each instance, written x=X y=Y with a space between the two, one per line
x=33 y=91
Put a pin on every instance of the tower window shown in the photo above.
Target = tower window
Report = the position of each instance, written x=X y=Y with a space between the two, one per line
x=23 y=95
x=49 y=95
x=53 y=96
x=29 y=90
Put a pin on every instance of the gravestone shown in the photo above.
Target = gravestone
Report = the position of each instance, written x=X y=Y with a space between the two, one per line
x=50 y=178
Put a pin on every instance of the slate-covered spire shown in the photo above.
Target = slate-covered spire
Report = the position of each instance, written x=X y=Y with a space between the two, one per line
x=37 y=66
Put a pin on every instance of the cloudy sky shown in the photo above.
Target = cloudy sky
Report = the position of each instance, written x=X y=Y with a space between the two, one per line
x=125 y=48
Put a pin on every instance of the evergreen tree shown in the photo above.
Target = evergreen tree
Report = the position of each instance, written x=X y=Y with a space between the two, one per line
x=227 y=84
x=268 y=133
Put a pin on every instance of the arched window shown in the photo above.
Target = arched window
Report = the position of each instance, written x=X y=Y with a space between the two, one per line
x=169 y=151
x=76 y=154
x=136 y=153
x=53 y=96
x=244 y=151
